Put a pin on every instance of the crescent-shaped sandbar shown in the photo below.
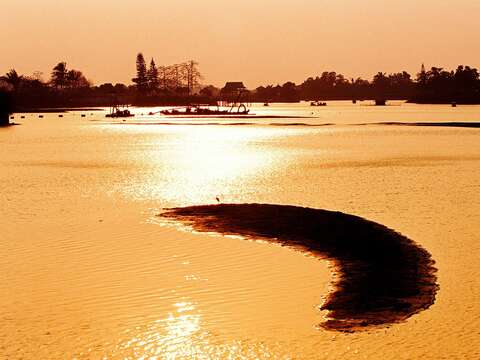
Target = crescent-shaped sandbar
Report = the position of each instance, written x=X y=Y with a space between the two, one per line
x=382 y=276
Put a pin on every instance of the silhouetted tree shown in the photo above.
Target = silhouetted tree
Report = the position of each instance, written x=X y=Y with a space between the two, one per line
x=12 y=78
x=152 y=76
x=210 y=91
x=288 y=92
x=466 y=80
x=75 y=79
x=163 y=73
x=193 y=75
x=359 y=89
x=265 y=93
x=141 y=80
x=176 y=75
x=37 y=75
x=422 y=76
x=120 y=88
x=380 y=81
x=400 y=84
x=59 y=75
x=106 y=88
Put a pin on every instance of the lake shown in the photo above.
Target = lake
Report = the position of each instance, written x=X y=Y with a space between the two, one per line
x=89 y=271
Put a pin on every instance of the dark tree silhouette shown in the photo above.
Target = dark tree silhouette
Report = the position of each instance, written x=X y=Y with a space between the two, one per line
x=59 y=75
x=12 y=78
x=193 y=75
x=466 y=81
x=210 y=91
x=289 y=92
x=141 y=80
x=152 y=76
x=62 y=78
x=76 y=79
x=422 y=76
x=177 y=85
x=380 y=82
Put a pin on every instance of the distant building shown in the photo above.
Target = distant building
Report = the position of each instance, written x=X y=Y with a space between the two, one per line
x=231 y=93
x=232 y=88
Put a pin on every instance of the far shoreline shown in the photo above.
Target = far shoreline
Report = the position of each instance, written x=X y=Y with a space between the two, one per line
x=93 y=106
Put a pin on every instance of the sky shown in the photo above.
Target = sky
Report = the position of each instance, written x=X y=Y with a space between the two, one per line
x=254 y=41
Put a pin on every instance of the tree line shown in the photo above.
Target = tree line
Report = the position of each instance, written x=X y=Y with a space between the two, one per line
x=180 y=84
x=433 y=86
x=164 y=85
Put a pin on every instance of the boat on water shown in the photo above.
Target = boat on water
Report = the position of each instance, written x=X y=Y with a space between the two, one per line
x=119 y=111
x=206 y=110
x=229 y=105
x=318 y=103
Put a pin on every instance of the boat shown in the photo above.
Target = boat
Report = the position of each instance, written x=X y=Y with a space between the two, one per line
x=206 y=110
x=119 y=111
x=318 y=103
x=223 y=108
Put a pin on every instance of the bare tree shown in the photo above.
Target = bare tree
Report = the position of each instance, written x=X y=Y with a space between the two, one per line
x=193 y=75
x=177 y=77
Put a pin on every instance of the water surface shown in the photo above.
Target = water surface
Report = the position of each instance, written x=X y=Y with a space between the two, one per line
x=87 y=271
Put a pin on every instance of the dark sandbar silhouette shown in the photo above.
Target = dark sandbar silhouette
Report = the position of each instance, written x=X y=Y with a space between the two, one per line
x=382 y=276
x=442 y=124
x=473 y=125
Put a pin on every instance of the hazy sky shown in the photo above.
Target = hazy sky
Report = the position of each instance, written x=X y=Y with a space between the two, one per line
x=256 y=41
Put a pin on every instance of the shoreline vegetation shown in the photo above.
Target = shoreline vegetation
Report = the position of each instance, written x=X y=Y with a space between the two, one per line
x=382 y=277
x=180 y=84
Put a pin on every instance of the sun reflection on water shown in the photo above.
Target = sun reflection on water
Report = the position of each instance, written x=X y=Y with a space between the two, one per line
x=176 y=336
x=183 y=335
x=198 y=164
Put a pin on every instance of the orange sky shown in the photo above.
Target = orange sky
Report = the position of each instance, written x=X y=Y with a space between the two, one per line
x=256 y=41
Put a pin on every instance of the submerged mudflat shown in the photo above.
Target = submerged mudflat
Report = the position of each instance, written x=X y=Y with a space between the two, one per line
x=383 y=277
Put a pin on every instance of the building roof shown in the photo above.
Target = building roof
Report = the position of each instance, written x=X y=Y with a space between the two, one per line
x=234 y=86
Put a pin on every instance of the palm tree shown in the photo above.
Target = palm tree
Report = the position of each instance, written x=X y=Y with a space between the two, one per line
x=59 y=75
x=12 y=78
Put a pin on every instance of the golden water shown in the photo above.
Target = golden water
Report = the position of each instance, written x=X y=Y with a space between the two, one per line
x=87 y=271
